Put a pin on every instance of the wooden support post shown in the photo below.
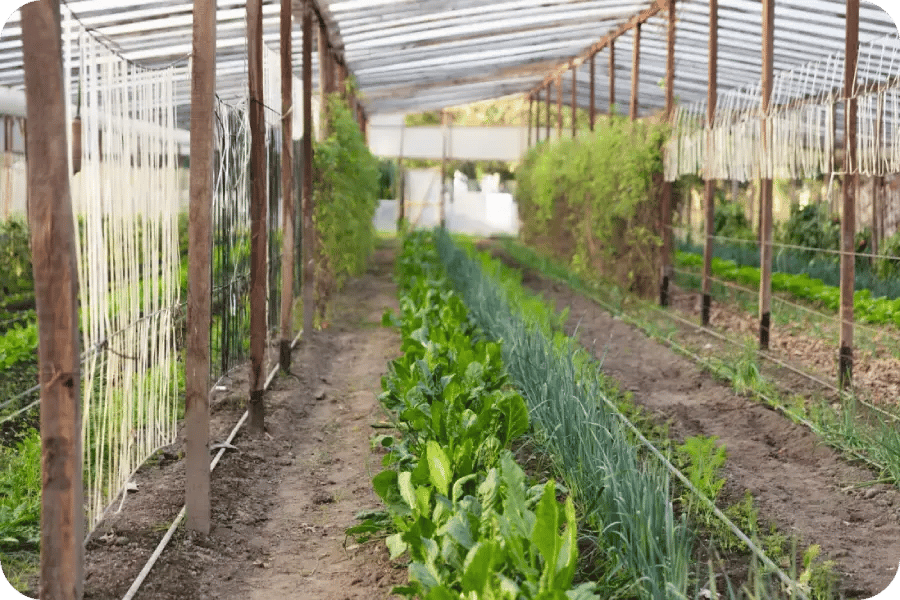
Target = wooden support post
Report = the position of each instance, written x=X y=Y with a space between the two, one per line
x=574 y=100
x=666 y=192
x=548 y=110
x=765 y=191
x=287 y=187
x=710 y=184
x=258 y=229
x=530 y=109
x=443 y=206
x=323 y=81
x=559 y=113
x=592 y=107
x=199 y=298
x=850 y=189
x=56 y=303
x=309 y=259
x=635 y=72
x=612 y=77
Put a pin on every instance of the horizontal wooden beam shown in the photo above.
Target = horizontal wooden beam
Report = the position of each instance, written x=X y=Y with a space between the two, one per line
x=577 y=61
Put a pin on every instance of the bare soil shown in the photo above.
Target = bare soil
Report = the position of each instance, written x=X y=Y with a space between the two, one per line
x=799 y=484
x=280 y=502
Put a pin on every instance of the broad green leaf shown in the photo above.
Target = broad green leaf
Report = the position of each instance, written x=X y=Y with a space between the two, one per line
x=385 y=485
x=407 y=492
x=457 y=528
x=439 y=468
x=396 y=545
x=546 y=529
x=478 y=567
x=427 y=575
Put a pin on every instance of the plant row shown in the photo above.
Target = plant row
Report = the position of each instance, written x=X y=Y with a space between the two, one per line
x=457 y=502
x=866 y=309
x=625 y=501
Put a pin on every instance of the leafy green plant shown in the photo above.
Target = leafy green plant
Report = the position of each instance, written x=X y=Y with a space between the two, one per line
x=812 y=226
x=15 y=256
x=731 y=221
x=591 y=201
x=20 y=493
x=701 y=461
x=18 y=345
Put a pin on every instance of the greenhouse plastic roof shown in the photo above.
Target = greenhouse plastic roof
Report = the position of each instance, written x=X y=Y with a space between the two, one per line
x=414 y=55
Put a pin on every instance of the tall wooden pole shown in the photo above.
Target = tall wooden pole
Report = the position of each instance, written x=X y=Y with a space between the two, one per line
x=443 y=206
x=56 y=303
x=548 y=110
x=559 y=113
x=765 y=191
x=850 y=188
x=530 y=110
x=710 y=185
x=203 y=89
x=309 y=260
x=666 y=190
x=612 y=77
x=287 y=186
x=574 y=100
x=635 y=72
x=258 y=229
x=323 y=82
x=592 y=107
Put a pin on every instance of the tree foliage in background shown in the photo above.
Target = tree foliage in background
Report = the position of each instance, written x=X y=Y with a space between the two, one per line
x=346 y=185
x=592 y=201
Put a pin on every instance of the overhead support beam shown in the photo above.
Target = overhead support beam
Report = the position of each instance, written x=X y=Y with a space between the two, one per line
x=56 y=296
x=632 y=23
x=308 y=235
x=666 y=190
x=199 y=300
x=635 y=73
x=592 y=109
x=765 y=191
x=709 y=192
x=850 y=189
x=287 y=187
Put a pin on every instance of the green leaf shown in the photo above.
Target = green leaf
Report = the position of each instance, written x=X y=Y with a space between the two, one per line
x=438 y=468
x=396 y=545
x=407 y=492
x=546 y=529
x=478 y=567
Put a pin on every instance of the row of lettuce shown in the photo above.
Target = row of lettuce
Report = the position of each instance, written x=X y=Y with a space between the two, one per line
x=457 y=502
x=879 y=311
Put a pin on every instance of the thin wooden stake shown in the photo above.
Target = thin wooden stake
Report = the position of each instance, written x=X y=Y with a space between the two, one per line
x=287 y=187
x=765 y=191
x=710 y=184
x=592 y=109
x=309 y=259
x=443 y=206
x=56 y=301
x=258 y=230
x=850 y=190
x=635 y=72
x=323 y=81
x=559 y=110
x=612 y=77
x=203 y=89
x=574 y=99
x=530 y=109
x=548 y=110
x=666 y=191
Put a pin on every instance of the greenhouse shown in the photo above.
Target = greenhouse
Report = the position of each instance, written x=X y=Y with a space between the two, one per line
x=516 y=299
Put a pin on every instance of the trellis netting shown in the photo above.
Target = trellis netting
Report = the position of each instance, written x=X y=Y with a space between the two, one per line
x=802 y=127
x=126 y=202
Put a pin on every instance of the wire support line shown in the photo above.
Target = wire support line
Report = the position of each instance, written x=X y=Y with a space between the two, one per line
x=836 y=319
x=109 y=44
x=135 y=586
x=19 y=396
x=788 y=581
x=802 y=248
x=781 y=363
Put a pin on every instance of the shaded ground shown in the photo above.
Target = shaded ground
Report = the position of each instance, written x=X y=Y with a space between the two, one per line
x=796 y=482
x=280 y=503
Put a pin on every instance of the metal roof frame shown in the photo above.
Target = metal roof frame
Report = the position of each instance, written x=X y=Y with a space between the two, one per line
x=413 y=55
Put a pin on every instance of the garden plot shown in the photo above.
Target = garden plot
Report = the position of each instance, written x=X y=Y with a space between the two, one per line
x=795 y=481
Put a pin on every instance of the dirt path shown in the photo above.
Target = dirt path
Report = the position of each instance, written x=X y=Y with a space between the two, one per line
x=797 y=482
x=281 y=503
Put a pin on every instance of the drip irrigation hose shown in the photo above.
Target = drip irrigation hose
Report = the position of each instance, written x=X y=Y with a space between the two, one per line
x=135 y=586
